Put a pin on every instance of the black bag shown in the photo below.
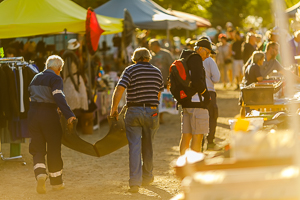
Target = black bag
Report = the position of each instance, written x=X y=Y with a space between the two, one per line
x=179 y=80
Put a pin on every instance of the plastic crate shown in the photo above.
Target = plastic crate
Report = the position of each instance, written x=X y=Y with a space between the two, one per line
x=258 y=95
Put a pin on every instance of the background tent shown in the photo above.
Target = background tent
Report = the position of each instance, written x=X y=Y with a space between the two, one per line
x=25 y=18
x=144 y=14
x=200 y=22
x=292 y=10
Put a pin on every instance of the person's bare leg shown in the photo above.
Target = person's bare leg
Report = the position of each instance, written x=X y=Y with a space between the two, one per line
x=230 y=77
x=197 y=142
x=237 y=82
x=243 y=112
x=184 y=142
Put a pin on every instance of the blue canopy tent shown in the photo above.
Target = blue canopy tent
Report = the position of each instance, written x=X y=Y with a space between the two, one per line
x=145 y=15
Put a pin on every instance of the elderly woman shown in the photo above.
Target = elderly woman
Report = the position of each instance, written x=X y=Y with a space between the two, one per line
x=144 y=84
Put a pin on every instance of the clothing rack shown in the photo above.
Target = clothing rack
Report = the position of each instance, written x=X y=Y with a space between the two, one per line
x=18 y=61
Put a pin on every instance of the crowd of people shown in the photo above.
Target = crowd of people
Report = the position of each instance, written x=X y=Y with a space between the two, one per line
x=236 y=58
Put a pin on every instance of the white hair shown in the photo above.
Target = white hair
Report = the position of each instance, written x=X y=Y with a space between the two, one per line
x=54 y=62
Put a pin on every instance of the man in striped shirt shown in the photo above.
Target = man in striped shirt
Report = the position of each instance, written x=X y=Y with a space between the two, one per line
x=144 y=84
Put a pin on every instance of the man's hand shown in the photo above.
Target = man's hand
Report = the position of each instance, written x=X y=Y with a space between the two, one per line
x=117 y=95
x=70 y=120
x=114 y=114
x=207 y=98
x=59 y=111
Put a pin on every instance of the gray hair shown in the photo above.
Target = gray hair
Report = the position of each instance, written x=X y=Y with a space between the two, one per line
x=140 y=54
x=257 y=56
x=55 y=62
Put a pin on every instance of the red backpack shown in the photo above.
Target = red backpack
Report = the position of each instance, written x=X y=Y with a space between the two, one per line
x=180 y=83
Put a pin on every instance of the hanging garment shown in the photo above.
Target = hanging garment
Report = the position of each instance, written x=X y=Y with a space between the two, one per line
x=12 y=92
x=28 y=75
x=22 y=109
x=4 y=99
x=76 y=99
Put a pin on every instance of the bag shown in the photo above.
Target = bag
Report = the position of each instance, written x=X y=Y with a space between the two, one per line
x=228 y=61
x=179 y=80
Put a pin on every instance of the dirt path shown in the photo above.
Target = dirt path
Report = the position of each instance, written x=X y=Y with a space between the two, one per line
x=106 y=178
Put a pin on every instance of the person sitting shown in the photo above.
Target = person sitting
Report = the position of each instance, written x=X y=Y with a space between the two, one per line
x=252 y=73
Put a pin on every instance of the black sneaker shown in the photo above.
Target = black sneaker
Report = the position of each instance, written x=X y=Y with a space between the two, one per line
x=134 y=189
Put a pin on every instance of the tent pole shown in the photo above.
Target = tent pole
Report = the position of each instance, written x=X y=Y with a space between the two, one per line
x=65 y=38
x=168 y=36
x=89 y=74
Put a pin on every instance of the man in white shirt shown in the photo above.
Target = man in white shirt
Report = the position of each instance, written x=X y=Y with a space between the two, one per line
x=212 y=76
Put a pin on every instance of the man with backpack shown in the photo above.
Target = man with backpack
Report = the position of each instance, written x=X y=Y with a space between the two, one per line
x=195 y=117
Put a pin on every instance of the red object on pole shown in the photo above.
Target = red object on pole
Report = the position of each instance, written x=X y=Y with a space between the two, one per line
x=93 y=31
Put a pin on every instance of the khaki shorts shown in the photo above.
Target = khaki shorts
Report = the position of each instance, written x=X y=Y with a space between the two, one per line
x=194 y=120
x=237 y=68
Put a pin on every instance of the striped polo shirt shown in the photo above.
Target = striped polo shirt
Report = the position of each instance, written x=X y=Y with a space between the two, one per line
x=143 y=82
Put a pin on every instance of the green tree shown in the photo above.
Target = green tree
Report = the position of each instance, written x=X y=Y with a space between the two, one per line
x=222 y=11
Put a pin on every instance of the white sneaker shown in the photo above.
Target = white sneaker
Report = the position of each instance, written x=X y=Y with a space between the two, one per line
x=41 y=183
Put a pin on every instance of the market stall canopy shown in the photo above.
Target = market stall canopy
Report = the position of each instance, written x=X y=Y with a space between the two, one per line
x=144 y=14
x=22 y=18
x=200 y=21
x=292 y=10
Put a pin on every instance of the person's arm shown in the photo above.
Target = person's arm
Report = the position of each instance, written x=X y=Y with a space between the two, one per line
x=286 y=73
x=117 y=95
x=289 y=74
x=59 y=98
x=118 y=92
x=161 y=88
x=159 y=95
x=215 y=73
x=258 y=74
x=259 y=78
